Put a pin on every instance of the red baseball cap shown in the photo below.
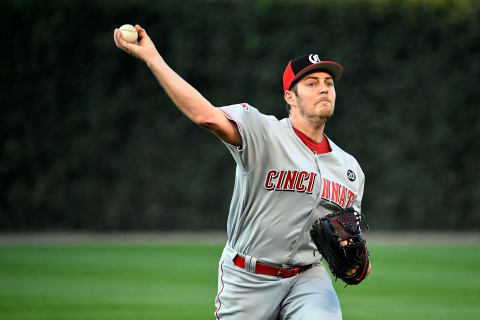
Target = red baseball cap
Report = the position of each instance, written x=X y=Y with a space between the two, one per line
x=302 y=65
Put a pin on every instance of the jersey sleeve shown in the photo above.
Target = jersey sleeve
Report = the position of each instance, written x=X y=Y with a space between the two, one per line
x=253 y=128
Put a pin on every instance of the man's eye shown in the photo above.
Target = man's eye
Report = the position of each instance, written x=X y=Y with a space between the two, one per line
x=310 y=84
x=330 y=84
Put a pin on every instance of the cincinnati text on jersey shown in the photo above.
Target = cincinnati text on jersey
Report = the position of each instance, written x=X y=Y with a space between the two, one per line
x=303 y=181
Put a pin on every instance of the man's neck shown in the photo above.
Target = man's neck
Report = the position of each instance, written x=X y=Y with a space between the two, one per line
x=313 y=131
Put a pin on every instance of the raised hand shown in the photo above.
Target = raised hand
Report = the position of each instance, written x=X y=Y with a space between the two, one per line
x=144 y=49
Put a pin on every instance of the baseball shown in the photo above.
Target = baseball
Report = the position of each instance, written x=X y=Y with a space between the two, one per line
x=129 y=33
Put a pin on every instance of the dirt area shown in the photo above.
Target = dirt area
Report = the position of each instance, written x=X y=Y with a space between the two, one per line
x=55 y=237
x=217 y=237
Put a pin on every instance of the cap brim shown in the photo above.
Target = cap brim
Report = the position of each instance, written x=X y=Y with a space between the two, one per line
x=335 y=69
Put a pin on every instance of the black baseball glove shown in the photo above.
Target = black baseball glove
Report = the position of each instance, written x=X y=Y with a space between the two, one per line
x=339 y=239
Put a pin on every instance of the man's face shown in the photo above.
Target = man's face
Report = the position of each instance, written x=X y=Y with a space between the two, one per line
x=316 y=97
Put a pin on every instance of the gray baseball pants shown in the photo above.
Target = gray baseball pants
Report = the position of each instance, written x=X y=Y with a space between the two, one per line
x=244 y=295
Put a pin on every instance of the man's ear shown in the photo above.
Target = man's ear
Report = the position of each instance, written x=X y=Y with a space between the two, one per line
x=288 y=96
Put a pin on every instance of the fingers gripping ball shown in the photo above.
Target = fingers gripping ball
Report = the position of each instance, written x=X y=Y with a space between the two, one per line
x=129 y=33
x=339 y=239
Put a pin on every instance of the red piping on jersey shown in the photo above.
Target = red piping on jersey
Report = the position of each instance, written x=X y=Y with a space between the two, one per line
x=229 y=117
x=218 y=295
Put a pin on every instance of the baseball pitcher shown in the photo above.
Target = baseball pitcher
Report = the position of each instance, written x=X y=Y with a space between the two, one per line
x=297 y=195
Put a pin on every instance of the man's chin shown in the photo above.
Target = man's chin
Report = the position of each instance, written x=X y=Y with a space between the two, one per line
x=319 y=120
x=326 y=113
x=326 y=110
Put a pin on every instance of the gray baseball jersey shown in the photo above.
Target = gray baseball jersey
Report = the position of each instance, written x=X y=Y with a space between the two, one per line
x=282 y=187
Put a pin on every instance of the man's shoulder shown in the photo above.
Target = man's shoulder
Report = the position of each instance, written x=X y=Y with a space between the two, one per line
x=247 y=108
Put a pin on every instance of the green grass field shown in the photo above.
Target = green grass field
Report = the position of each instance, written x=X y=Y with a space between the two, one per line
x=178 y=281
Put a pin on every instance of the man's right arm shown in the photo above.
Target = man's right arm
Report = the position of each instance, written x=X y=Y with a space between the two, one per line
x=185 y=97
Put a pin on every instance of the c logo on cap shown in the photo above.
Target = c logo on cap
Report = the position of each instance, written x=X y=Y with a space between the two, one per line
x=314 y=58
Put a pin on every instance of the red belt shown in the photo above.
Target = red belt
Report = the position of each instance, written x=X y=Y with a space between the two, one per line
x=282 y=272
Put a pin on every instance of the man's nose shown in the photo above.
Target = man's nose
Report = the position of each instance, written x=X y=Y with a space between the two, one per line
x=323 y=88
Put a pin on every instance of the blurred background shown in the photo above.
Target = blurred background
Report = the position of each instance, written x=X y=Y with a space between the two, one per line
x=89 y=140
